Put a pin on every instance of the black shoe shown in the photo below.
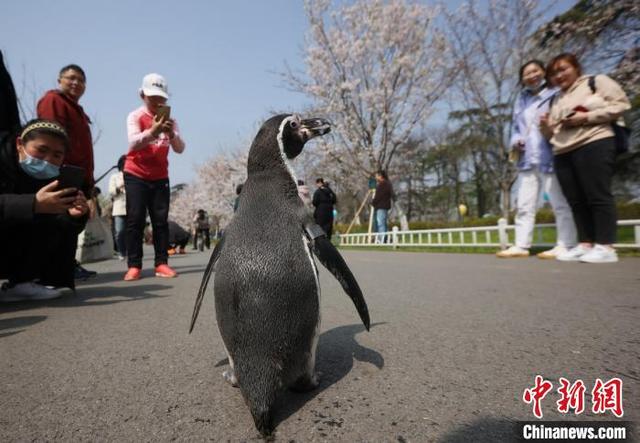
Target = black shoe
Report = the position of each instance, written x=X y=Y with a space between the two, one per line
x=81 y=273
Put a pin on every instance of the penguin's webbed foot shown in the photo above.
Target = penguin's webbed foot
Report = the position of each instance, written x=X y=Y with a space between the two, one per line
x=230 y=377
x=305 y=383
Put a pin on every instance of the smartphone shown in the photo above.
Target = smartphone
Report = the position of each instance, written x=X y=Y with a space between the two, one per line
x=163 y=112
x=70 y=177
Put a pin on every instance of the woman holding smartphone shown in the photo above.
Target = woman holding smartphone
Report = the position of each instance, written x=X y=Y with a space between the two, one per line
x=151 y=132
x=579 y=126
x=39 y=221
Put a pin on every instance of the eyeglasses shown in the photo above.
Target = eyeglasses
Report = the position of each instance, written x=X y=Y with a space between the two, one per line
x=74 y=78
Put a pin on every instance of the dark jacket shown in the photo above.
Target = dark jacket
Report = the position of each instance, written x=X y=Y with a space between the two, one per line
x=384 y=195
x=177 y=234
x=42 y=246
x=323 y=200
x=9 y=117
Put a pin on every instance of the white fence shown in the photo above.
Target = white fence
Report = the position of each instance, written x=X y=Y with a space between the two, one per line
x=479 y=236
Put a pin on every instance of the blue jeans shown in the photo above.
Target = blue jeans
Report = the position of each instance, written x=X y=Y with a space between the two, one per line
x=381 y=224
x=119 y=227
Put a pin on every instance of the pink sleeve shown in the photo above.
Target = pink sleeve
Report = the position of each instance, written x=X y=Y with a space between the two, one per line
x=137 y=139
x=176 y=142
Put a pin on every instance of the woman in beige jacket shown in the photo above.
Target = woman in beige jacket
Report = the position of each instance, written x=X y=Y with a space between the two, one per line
x=579 y=126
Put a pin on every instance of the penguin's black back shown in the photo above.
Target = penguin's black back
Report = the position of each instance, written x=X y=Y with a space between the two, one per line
x=265 y=285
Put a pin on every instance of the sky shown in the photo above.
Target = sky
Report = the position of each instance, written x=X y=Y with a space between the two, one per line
x=220 y=58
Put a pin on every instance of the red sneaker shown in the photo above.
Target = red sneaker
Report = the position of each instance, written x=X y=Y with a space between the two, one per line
x=165 y=271
x=132 y=274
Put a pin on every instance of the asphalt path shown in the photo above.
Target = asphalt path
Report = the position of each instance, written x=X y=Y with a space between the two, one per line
x=455 y=341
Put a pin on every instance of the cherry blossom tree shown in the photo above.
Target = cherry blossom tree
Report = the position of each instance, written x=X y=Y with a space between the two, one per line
x=214 y=190
x=375 y=68
x=489 y=43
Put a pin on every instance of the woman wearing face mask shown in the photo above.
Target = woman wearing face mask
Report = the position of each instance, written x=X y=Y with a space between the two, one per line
x=579 y=126
x=535 y=167
x=38 y=221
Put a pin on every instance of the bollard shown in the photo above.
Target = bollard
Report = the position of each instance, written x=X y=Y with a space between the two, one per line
x=395 y=237
x=636 y=232
x=503 y=239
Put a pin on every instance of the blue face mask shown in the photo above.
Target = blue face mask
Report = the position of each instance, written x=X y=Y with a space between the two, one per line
x=38 y=168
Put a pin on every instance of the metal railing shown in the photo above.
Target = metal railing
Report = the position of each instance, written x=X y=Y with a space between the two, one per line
x=478 y=236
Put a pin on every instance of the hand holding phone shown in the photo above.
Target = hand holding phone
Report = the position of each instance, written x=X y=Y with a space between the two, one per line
x=70 y=177
x=163 y=112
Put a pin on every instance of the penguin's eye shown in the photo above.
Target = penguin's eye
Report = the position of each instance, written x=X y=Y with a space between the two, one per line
x=293 y=124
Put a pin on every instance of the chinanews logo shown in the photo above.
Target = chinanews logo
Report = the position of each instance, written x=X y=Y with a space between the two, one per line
x=605 y=396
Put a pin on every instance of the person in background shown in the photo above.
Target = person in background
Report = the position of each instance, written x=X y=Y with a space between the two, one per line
x=304 y=193
x=382 y=203
x=535 y=167
x=146 y=176
x=323 y=200
x=236 y=202
x=579 y=126
x=39 y=223
x=178 y=238
x=119 y=210
x=63 y=106
x=202 y=226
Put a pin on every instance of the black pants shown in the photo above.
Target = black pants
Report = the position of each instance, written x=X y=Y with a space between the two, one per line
x=43 y=250
x=585 y=178
x=143 y=196
x=205 y=237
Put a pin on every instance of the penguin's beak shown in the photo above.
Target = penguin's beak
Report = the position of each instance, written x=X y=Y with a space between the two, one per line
x=314 y=127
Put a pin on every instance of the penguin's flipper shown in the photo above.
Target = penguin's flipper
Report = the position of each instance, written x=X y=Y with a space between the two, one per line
x=333 y=261
x=205 y=281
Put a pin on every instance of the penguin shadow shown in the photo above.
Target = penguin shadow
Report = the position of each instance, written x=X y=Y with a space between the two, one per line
x=16 y=325
x=486 y=429
x=337 y=349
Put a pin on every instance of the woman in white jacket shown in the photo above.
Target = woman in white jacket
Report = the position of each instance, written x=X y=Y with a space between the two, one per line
x=119 y=213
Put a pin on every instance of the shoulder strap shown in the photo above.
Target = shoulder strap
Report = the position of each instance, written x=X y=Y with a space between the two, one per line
x=592 y=84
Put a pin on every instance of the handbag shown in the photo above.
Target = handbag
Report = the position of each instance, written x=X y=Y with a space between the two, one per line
x=620 y=131
x=95 y=243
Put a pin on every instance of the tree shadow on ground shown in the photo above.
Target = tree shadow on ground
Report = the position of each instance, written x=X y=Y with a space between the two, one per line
x=19 y=322
x=93 y=296
x=483 y=430
x=337 y=349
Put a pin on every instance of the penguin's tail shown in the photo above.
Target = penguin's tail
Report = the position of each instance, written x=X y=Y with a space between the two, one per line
x=260 y=388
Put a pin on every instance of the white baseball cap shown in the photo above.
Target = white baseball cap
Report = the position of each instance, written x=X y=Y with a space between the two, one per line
x=153 y=85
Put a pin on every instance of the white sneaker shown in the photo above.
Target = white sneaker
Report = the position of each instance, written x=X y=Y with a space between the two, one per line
x=27 y=291
x=513 y=252
x=600 y=254
x=573 y=254
x=552 y=253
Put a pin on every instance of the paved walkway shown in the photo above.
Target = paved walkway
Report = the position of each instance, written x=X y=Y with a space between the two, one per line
x=455 y=341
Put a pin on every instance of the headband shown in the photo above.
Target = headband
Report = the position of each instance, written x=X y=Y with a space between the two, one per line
x=51 y=126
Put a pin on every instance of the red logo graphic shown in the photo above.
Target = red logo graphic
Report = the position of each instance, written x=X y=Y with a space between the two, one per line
x=572 y=396
x=604 y=396
x=537 y=394
x=607 y=396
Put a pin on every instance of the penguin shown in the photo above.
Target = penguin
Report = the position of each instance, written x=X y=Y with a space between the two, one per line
x=266 y=287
